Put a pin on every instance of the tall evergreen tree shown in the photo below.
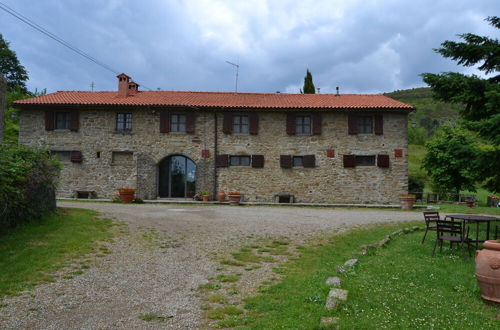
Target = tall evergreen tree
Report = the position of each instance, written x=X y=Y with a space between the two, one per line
x=13 y=71
x=481 y=96
x=308 y=84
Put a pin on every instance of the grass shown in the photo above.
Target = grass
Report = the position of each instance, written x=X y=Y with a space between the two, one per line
x=227 y=278
x=153 y=317
x=462 y=209
x=29 y=254
x=398 y=286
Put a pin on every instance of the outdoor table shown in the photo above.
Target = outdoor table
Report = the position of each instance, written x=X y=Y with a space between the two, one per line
x=471 y=218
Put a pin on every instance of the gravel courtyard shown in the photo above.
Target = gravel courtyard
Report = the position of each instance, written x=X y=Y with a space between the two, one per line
x=161 y=257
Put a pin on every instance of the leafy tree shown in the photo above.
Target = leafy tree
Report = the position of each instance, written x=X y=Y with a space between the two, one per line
x=13 y=71
x=308 y=84
x=481 y=96
x=452 y=159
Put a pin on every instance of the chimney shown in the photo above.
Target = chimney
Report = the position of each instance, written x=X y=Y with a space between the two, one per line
x=133 y=88
x=338 y=94
x=123 y=84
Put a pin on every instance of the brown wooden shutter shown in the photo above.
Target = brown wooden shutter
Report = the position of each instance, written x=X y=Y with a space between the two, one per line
x=290 y=124
x=352 y=124
x=227 y=124
x=50 y=120
x=164 y=122
x=190 y=122
x=379 y=125
x=76 y=156
x=253 y=119
x=309 y=161
x=349 y=160
x=222 y=161
x=316 y=121
x=383 y=160
x=258 y=161
x=75 y=120
x=286 y=161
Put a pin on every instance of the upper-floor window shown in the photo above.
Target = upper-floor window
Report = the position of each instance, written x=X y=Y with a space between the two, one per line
x=123 y=122
x=63 y=120
x=298 y=161
x=240 y=124
x=178 y=123
x=239 y=160
x=365 y=124
x=302 y=125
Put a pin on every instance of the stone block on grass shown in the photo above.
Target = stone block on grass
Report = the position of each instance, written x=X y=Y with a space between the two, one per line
x=333 y=281
x=335 y=297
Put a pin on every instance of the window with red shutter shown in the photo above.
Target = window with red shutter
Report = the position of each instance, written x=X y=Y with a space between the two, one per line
x=290 y=124
x=164 y=122
x=75 y=121
x=227 y=124
x=379 y=125
x=258 y=161
x=309 y=161
x=352 y=124
x=316 y=120
x=190 y=122
x=383 y=160
x=49 y=120
x=222 y=161
x=286 y=161
x=253 y=118
x=349 y=161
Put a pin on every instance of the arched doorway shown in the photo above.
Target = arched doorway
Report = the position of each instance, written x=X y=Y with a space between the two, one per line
x=177 y=177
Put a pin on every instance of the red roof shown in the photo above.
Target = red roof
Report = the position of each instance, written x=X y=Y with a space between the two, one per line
x=219 y=100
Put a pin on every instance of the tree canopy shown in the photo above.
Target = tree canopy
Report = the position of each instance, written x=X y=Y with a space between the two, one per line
x=15 y=74
x=481 y=96
x=308 y=84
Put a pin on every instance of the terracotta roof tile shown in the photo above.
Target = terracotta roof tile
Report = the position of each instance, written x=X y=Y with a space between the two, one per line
x=219 y=100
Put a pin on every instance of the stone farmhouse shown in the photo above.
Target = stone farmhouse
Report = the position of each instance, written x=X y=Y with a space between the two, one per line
x=323 y=148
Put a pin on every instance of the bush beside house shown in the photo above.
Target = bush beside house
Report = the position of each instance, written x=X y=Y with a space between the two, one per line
x=27 y=184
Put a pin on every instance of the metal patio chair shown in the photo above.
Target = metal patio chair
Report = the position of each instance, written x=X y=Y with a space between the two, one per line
x=430 y=222
x=454 y=232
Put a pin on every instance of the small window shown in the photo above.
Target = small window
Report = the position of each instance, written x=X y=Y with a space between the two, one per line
x=302 y=125
x=63 y=120
x=178 y=123
x=122 y=157
x=240 y=161
x=365 y=124
x=124 y=122
x=365 y=160
x=240 y=124
x=63 y=156
x=298 y=161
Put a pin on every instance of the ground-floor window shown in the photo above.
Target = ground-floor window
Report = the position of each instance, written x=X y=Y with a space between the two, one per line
x=239 y=160
x=365 y=160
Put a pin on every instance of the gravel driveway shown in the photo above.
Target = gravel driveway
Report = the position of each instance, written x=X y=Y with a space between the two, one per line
x=159 y=263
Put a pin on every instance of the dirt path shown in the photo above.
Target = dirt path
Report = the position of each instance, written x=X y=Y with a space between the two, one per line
x=158 y=264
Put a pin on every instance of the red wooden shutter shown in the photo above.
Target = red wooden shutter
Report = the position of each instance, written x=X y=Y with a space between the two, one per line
x=383 y=160
x=222 y=161
x=286 y=161
x=379 y=125
x=398 y=153
x=76 y=156
x=50 y=120
x=349 y=160
x=330 y=153
x=253 y=119
x=290 y=124
x=258 y=161
x=227 y=124
x=309 y=161
x=316 y=121
x=190 y=122
x=164 y=122
x=352 y=124
x=75 y=120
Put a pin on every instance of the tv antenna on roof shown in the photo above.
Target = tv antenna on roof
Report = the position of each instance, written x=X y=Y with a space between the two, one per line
x=237 y=69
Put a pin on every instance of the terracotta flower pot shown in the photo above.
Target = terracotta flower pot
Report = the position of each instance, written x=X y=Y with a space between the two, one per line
x=206 y=198
x=234 y=199
x=407 y=202
x=221 y=196
x=488 y=270
x=127 y=195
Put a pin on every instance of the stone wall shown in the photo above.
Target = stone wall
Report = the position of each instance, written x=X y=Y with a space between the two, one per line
x=328 y=182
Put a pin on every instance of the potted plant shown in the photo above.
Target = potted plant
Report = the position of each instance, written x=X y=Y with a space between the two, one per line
x=234 y=197
x=206 y=195
x=126 y=195
x=488 y=270
x=221 y=196
x=407 y=201
x=470 y=202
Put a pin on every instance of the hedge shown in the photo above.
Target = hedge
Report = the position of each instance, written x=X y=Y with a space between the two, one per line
x=27 y=184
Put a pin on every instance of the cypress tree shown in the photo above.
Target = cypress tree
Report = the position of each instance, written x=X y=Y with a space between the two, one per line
x=308 y=84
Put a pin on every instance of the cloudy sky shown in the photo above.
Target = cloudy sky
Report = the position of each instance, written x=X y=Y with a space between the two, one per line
x=364 y=46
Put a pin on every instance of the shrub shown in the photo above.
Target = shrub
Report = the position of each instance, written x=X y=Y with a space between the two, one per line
x=27 y=184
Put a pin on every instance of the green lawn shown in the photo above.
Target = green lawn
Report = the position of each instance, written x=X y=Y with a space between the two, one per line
x=399 y=286
x=31 y=252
